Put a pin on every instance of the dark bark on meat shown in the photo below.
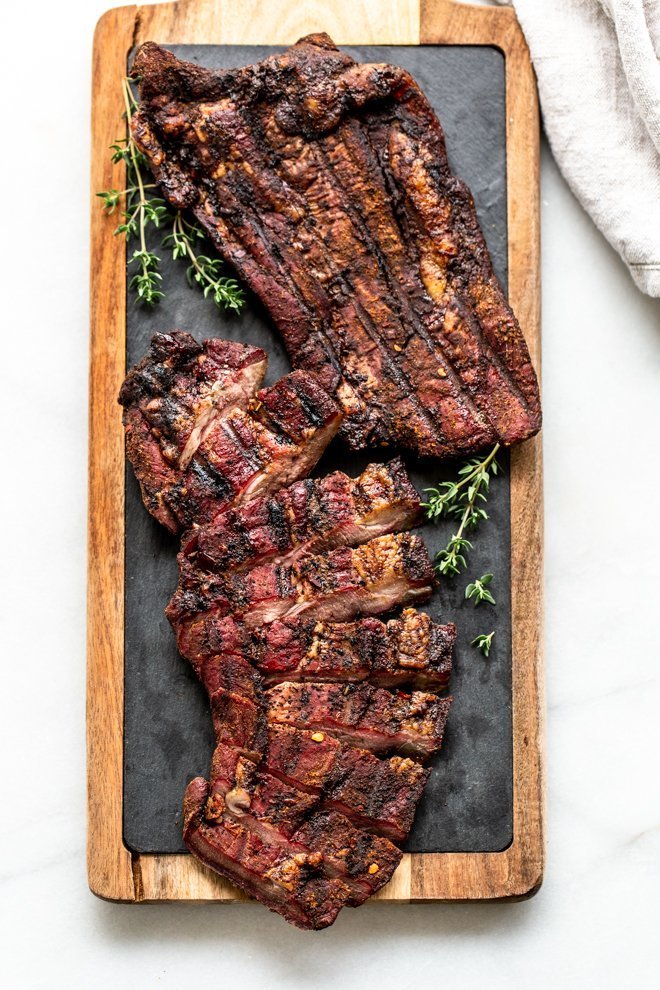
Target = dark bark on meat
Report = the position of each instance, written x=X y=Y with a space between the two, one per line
x=291 y=885
x=326 y=184
x=368 y=717
x=201 y=439
x=305 y=518
x=283 y=814
x=388 y=571
x=380 y=795
x=410 y=650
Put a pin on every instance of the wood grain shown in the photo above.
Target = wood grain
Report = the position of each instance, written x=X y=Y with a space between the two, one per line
x=108 y=861
x=257 y=22
x=113 y=872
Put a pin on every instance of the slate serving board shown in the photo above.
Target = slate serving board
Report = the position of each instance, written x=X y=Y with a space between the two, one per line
x=468 y=804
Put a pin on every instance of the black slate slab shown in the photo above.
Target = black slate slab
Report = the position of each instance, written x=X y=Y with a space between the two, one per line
x=168 y=740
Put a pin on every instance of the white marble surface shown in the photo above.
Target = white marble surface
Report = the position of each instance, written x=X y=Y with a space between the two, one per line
x=595 y=921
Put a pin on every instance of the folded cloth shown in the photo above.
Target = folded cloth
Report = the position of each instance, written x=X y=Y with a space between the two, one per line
x=598 y=68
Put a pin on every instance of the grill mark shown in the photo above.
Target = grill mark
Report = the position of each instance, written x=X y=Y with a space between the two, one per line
x=278 y=523
x=308 y=407
x=247 y=454
x=211 y=478
x=346 y=289
x=247 y=127
x=404 y=305
x=395 y=372
x=455 y=269
x=224 y=247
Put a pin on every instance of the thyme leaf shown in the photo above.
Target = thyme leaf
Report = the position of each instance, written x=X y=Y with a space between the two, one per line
x=479 y=592
x=462 y=499
x=484 y=642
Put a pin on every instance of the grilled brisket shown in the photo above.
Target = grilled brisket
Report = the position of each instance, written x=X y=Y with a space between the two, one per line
x=390 y=570
x=409 y=650
x=282 y=813
x=304 y=518
x=326 y=184
x=365 y=716
x=291 y=883
x=180 y=387
x=378 y=794
x=199 y=438
x=296 y=817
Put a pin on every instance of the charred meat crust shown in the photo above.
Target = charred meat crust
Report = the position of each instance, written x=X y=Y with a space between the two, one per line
x=181 y=386
x=326 y=184
x=411 y=649
x=304 y=518
x=387 y=571
x=378 y=794
x=284 y=815
x=292 y=885
x=200 y=440
x=363 y=715
x=294 y=815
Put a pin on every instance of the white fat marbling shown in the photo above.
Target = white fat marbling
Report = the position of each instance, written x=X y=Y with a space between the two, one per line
x=595 y=921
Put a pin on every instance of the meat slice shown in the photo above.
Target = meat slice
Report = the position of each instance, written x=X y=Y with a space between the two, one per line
x=239 y=721
x=380 y=795
x=368 y=717
x=290 y=883
x=172 y=397
x=296 y=816
x=181 y=387
x=242 y=790
x=229 y=673
x=238 y=454
x=281 y=813
x=388 y=571
x=364 y=862
x=304 y=518
x=409 y=650
x=326 y=184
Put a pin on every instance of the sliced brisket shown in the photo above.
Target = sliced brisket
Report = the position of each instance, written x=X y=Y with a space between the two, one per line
x=326 y=184
x=410 y=650
x=287 y=881
x=181 y=387
x=378 y=794
x=304 y=518
x=200 y=444
x=390 y=570
x=281 y=813
x=365 y=716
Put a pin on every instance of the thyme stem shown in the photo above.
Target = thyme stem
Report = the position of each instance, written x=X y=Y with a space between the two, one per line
x=461 y=498
x=140 y=210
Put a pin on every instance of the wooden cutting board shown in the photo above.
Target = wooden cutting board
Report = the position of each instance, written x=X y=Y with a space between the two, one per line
x=114 y=871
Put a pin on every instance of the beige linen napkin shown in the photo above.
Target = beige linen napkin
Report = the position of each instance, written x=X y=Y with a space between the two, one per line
x=598 y=70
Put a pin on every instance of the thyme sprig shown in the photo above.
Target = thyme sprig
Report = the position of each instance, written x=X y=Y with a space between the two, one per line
x=462 y=499
x=202 y=270
x=479 y=591
x=484 y=642
x=141 y=209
